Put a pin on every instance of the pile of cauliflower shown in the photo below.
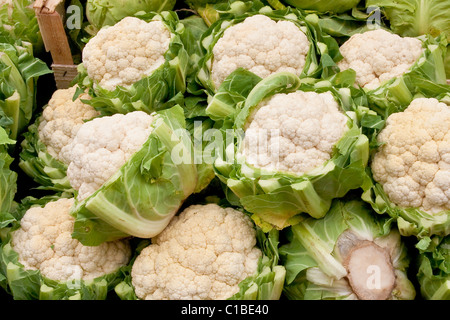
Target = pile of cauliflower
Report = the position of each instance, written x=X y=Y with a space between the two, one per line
x=138 y=98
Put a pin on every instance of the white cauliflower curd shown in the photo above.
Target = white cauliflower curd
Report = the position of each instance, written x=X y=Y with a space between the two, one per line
x=378 y=56
x=101 y=146
x=260 y=45
x=123 y=54
x=413 y=162
x=293 y=132
x=204 y=253
x=61 y=119
x=44 y=242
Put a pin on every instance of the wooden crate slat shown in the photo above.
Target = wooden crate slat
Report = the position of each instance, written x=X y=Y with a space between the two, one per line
x=49 y=5
x=64 y=74
x=55 y=38
x=50 y=15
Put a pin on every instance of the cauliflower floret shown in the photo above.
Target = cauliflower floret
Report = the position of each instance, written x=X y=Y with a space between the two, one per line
x=293 y=132
x=378 y=56
x=204 y=253
x=44 y=242
x=61 y=119
x=123 y=54
x=413 y=165
x=102 y=146
x=262 y=46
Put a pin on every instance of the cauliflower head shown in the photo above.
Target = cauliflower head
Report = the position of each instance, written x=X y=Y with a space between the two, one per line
x=413 y=162
x=293 y=132
x=43 y=242
x=123 y=54
x=204 y=253
x=262 y=46
x=378 y=56
x=102 y=146
x=61 y=119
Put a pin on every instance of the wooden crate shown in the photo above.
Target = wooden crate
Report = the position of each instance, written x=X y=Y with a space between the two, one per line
x=50 y=15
